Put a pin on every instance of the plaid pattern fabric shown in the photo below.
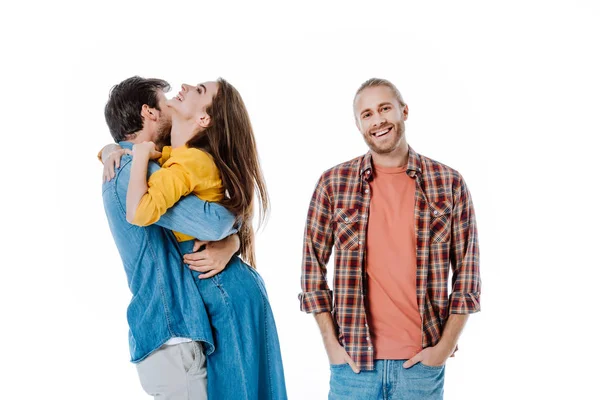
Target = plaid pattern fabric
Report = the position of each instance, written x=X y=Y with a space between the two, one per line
x=446 y=237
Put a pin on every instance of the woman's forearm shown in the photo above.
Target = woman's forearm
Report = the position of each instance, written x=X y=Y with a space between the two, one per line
x=138 y=184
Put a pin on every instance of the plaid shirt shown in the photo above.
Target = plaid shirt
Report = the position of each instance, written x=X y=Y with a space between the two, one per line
x=446 y=237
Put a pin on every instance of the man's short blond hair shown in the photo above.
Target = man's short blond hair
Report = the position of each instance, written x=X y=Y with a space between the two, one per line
x=374 y=82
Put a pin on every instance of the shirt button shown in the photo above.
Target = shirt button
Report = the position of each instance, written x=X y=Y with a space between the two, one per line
x=435 y=212
x=370 y=348
x=346 y=219
x=366 y=190
x=368 y=339
x=366 y=325
x=360 y=242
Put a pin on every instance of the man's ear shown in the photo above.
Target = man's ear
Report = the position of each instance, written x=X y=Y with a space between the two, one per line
x=405 y=112
x=150 y=113
x=203 y=120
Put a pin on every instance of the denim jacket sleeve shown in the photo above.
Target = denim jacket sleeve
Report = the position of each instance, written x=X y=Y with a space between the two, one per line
x=190 y=215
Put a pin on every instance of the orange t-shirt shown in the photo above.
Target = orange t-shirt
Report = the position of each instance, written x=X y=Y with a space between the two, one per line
x=392 y=266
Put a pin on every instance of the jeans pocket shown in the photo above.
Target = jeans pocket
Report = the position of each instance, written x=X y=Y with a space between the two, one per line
x=433 y=367
x=338 y=366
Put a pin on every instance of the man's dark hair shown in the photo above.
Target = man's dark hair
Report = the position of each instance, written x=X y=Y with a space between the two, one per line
x=123 y=111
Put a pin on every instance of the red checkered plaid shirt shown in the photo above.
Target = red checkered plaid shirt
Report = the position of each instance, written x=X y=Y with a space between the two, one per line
x=446 y=237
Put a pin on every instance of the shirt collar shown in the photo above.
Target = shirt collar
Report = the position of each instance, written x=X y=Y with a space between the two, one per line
x=413 y=166
x=126 y=145
x=414 y=163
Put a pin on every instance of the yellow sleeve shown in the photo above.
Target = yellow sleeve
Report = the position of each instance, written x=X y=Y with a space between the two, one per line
x=166 y=154
x=178 y=177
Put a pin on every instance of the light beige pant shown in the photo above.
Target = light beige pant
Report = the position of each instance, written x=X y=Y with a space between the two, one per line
x=175 y=372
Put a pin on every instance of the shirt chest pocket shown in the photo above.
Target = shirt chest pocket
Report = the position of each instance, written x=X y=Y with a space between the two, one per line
x=440 y=221
x=347 y=229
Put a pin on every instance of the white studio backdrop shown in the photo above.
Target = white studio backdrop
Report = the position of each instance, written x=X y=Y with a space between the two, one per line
x=506 y=94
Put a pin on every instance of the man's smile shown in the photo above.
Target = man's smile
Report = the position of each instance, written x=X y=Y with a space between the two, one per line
x=382 y=131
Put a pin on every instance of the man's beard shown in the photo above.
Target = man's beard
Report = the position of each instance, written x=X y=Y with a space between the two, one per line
x=163 y=137
x=390 y=147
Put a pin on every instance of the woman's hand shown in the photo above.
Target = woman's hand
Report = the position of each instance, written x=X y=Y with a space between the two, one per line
x=112 y=162
x=146 y=148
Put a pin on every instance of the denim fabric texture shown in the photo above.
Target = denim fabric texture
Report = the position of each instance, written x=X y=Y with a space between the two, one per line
x=388 y=381
x=164 y=301
x=246 y=363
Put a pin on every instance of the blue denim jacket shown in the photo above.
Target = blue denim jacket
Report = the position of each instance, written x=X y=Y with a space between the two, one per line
x=165 y=301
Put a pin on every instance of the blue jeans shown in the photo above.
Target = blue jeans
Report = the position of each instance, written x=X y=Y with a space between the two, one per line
x=388 y=381
x=246 y=363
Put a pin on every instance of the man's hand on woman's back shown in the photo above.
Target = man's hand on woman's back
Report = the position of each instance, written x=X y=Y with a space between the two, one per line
x=210 y=258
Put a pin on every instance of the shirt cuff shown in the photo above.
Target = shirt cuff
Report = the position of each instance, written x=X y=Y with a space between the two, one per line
x=315 y=302
x=464 y=303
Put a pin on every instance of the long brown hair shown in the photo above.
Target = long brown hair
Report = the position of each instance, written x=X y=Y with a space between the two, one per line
x=229 y=139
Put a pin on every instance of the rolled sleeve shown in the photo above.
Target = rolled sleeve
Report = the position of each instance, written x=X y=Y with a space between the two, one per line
x=316 y=302
x=464 y=303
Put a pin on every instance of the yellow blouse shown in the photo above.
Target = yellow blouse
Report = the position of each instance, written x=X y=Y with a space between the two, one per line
x=184 y=171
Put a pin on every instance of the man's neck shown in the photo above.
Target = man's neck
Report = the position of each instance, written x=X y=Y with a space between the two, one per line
x=397 y=158
x=143 y=135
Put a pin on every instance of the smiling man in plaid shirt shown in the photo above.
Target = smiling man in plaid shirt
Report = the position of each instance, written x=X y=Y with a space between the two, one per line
x=399 y=222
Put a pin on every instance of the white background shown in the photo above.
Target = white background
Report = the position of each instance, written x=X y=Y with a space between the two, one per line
x=507 y=93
